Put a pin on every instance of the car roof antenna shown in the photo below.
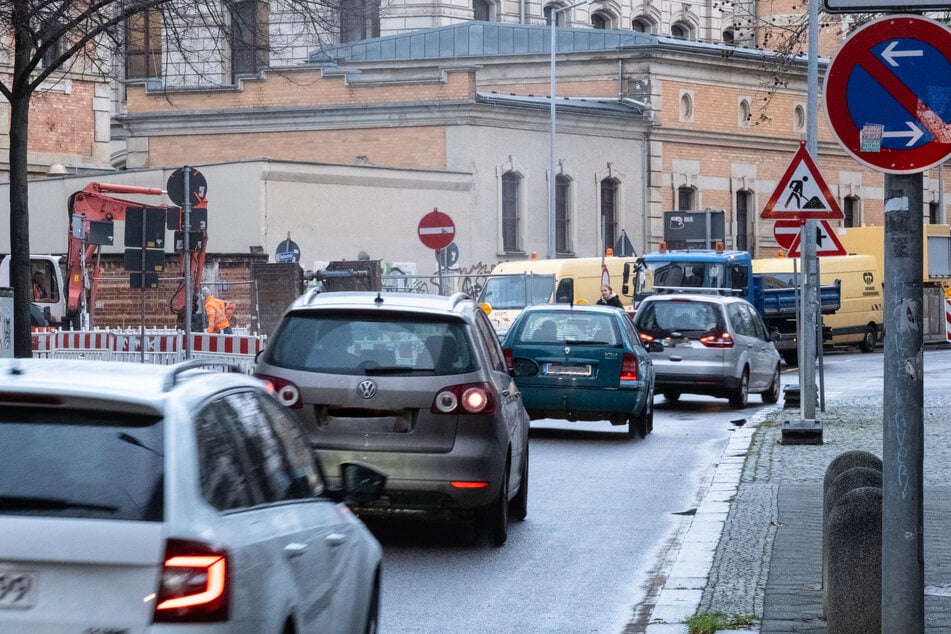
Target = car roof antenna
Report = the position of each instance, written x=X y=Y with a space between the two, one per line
x=378 y=299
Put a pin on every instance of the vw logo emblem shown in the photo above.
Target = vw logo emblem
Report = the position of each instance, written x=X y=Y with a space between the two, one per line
x=366 y=389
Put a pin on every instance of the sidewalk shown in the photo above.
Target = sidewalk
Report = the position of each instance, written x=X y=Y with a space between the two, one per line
x=754 y=548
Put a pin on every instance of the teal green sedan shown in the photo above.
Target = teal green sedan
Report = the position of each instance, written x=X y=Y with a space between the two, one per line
x=582 y=362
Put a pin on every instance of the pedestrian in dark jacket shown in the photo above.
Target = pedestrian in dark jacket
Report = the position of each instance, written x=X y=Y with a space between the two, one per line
x=609 y=297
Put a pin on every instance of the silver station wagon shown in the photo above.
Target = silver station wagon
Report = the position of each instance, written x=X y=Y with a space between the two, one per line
x=709 y=344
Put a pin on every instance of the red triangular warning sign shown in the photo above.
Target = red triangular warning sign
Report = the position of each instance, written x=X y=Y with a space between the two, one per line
x=827 y=243
x=802 y=193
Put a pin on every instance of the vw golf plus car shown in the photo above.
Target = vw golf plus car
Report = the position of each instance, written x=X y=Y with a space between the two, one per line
x=415 y=385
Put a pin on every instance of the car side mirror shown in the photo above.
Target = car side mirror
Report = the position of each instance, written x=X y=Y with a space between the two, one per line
x=655 y=346
x=362 y=483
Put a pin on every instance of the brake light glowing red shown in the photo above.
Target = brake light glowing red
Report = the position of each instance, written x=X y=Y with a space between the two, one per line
x=629 y=367
x=194 y=584
x=646 y=338
x=467 y=398
x=285 y=391
x=723 y=340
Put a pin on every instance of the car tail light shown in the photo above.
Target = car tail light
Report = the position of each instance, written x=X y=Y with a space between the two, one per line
x=723 y=340
x=646 y=338
x=194 y=584
x=285 y=391
x=629 y=367
x=467 y=398
x=507 y=353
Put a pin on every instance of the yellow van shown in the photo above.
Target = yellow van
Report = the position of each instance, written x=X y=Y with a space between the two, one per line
x=514 y=285
x=859 y=320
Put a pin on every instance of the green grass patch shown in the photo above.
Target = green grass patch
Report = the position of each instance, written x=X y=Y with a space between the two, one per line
x=711 y=622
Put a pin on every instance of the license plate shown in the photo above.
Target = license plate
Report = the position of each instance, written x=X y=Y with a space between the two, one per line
x=568 y=370
x=17 y=589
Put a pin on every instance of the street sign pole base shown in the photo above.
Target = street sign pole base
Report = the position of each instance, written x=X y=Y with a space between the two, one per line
x=801 y=432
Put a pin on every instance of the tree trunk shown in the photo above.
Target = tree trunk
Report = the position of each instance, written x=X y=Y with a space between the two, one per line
x=19 y=193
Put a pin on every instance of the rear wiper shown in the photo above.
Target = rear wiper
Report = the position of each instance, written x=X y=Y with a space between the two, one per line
x=29 y=503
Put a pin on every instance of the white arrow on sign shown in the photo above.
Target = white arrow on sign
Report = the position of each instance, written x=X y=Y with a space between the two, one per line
x=889 y=54
x=913 y=133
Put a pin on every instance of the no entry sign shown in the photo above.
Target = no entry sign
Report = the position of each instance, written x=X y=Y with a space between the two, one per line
x=436 y=230
x=886 y=94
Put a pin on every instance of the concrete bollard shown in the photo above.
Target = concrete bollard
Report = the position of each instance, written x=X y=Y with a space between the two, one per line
x=854 y=593
x=853 y=478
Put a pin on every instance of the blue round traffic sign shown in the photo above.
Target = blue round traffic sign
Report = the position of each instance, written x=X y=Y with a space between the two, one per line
x=888 y=94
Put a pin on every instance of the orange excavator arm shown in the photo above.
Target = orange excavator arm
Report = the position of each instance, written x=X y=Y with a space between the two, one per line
x=93 y=205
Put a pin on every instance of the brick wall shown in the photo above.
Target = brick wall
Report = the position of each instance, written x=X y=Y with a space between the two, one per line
x=119 y=306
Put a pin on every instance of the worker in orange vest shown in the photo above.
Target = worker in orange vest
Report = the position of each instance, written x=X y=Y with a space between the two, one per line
x=219 y=313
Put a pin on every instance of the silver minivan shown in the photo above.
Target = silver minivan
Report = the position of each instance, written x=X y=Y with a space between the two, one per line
x=709 y=344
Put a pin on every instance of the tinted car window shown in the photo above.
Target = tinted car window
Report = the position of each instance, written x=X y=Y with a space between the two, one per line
x=81 y=463
x=221 y=471
x=376 y=343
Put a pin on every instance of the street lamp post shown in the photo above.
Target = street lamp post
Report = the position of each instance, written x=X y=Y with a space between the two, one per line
x=552 y=238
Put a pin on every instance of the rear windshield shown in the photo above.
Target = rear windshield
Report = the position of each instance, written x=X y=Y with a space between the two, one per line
x=560 y=327
x=80 y=463
x=381 y=343
x=661 y=319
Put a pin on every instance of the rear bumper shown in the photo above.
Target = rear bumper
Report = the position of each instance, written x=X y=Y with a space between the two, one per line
x=696 y=384
x=422 y=482
x=584 y=404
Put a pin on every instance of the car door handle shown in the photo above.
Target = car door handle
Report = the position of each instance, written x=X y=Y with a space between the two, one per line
x=335 y=539
x=294 y=549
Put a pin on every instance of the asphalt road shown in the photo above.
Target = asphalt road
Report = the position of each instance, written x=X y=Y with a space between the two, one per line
x=605 y=515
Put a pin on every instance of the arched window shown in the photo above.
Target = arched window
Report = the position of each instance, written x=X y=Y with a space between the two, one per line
x=933 y=208
x=511 y=186
x=685 y=198
x=600 y=21
x=482 y=10
x=562 y=214
x=359 y=19
x=680 y=30
x=609 y=205
x=642 y=25
x=744 y=200
x=143 y=53
x=850 y=211
x=561 y=17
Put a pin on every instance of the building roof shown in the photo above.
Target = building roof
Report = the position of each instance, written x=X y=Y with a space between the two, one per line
x=481 y=39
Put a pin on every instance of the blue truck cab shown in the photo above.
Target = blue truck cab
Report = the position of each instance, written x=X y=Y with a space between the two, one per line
x=726 y=273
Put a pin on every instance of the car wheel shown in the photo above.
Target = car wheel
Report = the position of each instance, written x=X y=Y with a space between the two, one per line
x=640 y=426
x=373 y=612
x=494 y=518
x=518 y=507
x=672 y=397
x=740 y=397
x=869 y=339
x=771 y=395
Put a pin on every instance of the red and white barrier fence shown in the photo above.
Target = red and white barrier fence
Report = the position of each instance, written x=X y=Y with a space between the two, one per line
x=161 y=347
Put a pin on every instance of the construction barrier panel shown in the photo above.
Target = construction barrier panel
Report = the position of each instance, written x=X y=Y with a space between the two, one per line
x=160 y=346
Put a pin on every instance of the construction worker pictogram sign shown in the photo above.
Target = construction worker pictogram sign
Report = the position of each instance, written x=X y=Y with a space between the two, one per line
x=802 y=193
x=827 y=243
